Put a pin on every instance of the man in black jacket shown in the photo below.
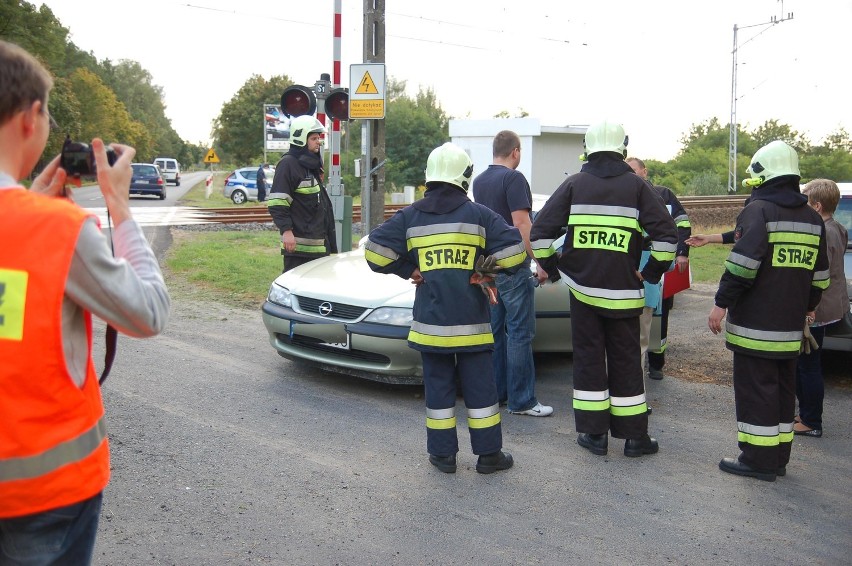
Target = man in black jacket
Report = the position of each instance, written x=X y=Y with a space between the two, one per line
x=606 y=208
x=773 y=279
x=298 y=202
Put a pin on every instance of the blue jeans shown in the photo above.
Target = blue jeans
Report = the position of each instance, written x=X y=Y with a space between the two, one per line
x=59 y=536
x=810 y=389
x=513 y=325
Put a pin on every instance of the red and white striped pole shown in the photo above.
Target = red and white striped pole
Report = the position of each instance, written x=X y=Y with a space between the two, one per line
x=334 y=171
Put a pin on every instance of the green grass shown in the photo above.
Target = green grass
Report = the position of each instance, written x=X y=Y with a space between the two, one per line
x=235 y=267
x=708 y=262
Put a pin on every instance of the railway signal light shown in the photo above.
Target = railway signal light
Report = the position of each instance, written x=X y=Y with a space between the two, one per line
x=337 y=104
x=298 y=100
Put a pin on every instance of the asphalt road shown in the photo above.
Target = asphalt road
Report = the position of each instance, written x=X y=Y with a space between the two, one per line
x=225 y=453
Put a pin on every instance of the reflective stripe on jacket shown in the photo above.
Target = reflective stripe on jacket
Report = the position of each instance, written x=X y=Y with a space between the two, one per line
x=53 y=445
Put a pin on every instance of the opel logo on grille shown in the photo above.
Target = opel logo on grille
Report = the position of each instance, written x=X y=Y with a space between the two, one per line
x=325 y=309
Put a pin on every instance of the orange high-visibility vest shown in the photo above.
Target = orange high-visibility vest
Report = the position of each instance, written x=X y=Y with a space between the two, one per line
x=53 y=445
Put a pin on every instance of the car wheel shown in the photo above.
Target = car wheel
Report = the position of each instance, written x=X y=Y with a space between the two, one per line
x=177 y=183
x=238 y=197
x=163 y=194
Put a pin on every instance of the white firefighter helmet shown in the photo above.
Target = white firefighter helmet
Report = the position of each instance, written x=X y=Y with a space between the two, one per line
x=605 y=136
x=301 y=127
x=772 y=160
x=449 y=164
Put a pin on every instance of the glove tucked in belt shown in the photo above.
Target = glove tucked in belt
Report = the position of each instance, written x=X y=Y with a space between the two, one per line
x=485 y=269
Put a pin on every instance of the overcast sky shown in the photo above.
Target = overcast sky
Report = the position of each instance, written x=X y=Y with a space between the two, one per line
x=657 y=66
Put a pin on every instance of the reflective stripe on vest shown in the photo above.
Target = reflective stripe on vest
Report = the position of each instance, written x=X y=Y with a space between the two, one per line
x=742 y=266
x=62 y=454
x=460 y=233
x=764 y=435
x=484 y=418
x=543 y=249
x=627 y=406
x=379 y=255
x=440 y=419
x=821 y=279
x=591 y=400
x=763 y=340
x=616 y=299
x=511 y=256
x=450 y=336
x=308 y=187
x=310 y=245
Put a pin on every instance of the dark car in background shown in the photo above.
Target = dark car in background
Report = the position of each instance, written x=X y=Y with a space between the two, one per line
x=147 y=180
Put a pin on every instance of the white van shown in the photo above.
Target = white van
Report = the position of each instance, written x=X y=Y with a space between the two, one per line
x=170 y=168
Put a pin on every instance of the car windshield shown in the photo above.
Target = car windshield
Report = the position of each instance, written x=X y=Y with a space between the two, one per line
x=144 y=170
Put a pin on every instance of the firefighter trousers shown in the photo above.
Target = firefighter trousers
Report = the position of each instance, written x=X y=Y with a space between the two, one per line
x=609 y=392
x=765 y=395
x=479 y=389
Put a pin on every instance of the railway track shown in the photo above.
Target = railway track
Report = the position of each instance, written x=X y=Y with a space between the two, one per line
x=247 y=214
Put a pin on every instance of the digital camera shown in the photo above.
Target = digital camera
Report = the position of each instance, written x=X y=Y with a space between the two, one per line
x=78 y=159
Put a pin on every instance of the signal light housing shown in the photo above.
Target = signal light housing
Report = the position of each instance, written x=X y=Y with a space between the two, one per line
x=298 y=100
x=337 y=104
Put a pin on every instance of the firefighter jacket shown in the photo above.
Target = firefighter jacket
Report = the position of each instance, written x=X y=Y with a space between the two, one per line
x=53 y=444
x=442 y=235
x=603 y=211
x=684 y=228
x=775 y=273
x=298 y=201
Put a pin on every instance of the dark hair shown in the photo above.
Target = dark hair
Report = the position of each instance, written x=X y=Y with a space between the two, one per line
x=505 y=143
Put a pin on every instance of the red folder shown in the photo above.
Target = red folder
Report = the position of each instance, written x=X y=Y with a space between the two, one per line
x=674 y=281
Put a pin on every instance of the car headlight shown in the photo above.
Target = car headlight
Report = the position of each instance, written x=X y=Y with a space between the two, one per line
x=391 y=315
x=280 y=296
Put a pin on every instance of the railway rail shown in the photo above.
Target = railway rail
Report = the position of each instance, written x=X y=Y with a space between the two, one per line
x=246 y=214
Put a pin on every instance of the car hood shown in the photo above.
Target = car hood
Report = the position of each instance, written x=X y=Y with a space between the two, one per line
x=347 y=278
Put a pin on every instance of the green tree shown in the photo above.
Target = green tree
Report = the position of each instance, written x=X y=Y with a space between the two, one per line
x=36 y=30
x=238 y=130
x=104 y=115
x=414 y=127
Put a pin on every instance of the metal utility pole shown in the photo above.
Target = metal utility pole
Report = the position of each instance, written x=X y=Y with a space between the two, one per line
x=373 y=131
x=732 y=136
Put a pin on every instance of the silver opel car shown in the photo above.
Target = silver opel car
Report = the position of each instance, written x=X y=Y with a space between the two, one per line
x=337 y=314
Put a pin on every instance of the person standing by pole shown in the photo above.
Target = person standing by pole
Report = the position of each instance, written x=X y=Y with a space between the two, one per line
x=298 y=202
x=504 y=190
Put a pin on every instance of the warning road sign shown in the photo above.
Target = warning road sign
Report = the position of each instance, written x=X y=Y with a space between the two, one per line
x=367 y=91
x=211 y=157
x=367 y=86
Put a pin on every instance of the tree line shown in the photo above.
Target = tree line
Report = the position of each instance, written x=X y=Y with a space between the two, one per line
x=90 y=98
x=701 y=166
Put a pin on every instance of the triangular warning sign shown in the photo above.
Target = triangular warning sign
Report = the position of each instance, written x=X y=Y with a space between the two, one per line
x=367 y=86
x=211 y=157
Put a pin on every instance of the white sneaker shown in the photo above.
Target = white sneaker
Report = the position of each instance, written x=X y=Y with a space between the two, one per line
x=538 y=411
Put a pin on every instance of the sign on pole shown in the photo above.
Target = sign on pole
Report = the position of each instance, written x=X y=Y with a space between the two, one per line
x=211 y=157
x=367 y=91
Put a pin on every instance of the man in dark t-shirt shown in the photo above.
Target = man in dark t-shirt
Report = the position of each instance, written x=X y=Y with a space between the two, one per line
x=505 y=191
